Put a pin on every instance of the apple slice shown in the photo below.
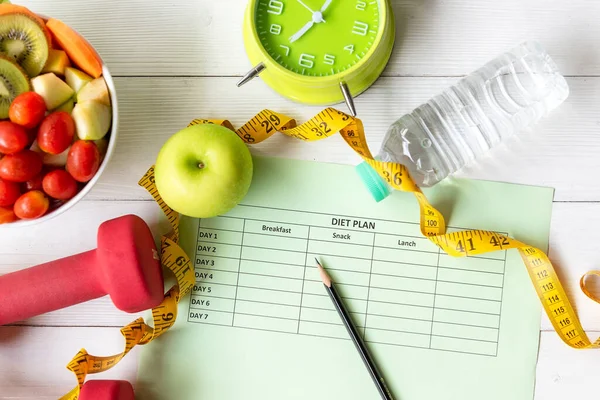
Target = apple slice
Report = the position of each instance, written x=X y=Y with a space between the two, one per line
x=52 y=160
x=57 y=62
x=95 y=90
x=77 y=79
x=54 y=91
x=92 y=119
x=56 y=160
x=67 y=106
x=102 y=146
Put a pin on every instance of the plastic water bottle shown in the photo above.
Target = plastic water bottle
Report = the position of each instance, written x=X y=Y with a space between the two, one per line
x=438 y=138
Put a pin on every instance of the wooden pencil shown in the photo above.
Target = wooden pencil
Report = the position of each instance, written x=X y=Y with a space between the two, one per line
x=360 y=346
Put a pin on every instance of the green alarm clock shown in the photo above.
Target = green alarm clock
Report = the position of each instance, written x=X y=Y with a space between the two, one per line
x=318 y=51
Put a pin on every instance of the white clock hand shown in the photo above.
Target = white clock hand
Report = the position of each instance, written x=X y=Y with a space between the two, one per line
x=305 y=6
x=316 y=15
x=326 y=5
x=317 y=18
x=302 y=31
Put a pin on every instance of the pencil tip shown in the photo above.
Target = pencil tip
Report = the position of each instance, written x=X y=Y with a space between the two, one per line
x=324 y=276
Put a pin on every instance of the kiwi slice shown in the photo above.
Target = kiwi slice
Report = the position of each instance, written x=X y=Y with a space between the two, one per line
x=13 y=82
x=23 y=39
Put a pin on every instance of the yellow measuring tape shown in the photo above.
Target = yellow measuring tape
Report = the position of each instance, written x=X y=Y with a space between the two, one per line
x=138 y=332
x=457 y=244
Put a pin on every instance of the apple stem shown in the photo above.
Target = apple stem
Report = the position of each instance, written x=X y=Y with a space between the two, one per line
x=200 y=165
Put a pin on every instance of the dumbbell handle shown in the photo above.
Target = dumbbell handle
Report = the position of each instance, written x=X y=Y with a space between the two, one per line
x=125 y=265
x=48 y=287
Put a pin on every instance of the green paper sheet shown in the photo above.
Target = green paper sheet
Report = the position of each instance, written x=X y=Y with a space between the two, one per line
x=259 y=324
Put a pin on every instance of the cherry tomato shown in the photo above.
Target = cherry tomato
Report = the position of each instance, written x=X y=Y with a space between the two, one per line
x=34 y=183
x=59 y=184
x=31 y=205
x=56 y=132
x=27 y=109
x=83 y=160
x=32 y=135
x=54 y=204
x=9 y=193
x=20 y=167
x=13 y=138
x=7 y=215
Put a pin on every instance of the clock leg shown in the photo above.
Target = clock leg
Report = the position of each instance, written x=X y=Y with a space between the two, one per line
x=253 y=73
x=348 y=97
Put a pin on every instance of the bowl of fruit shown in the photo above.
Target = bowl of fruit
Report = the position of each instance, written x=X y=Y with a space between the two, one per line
x=58 y=117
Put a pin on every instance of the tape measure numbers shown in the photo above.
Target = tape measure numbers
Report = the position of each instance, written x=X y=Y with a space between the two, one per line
x=458 y=244
x=138 y=332
x=433 y=225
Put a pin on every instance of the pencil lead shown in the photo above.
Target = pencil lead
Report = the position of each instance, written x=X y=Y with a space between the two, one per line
x=324 y=276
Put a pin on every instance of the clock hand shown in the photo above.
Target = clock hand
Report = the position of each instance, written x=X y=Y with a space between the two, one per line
x=317 y=18
x=326 y=5
x=302 y=31
x=305 y=6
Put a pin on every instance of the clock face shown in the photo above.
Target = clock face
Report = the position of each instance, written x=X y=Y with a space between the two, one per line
x=317 y=37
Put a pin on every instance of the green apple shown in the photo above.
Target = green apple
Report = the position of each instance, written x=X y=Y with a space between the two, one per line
x=203 y=171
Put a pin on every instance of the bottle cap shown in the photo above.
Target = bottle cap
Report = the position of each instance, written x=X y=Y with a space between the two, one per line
x=377 y=186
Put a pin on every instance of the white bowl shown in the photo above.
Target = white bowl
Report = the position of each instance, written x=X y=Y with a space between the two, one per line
x=89 y=185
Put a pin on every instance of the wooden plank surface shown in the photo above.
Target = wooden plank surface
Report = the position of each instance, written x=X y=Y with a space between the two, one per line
x=33 y=359
x=73 y=233
x=434 y=37
x=178 y=60
x=561 y=373
x=561 y=152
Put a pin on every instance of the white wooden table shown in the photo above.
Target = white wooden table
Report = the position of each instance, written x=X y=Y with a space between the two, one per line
x=177 y=60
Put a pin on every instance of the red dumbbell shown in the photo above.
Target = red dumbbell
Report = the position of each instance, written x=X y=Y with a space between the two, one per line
x=106 y=390
x=125 y=265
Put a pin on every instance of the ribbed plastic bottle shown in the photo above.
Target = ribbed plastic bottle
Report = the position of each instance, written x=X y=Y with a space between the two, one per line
x=451 y=130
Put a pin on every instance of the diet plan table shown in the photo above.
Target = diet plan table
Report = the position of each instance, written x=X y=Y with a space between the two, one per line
x=259 y=313
x=255 y=269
